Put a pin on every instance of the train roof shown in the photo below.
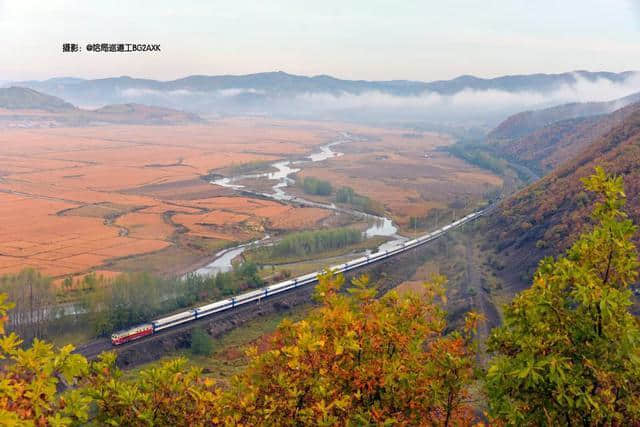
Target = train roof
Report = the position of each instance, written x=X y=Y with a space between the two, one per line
x=180 y=315
x=213 y=305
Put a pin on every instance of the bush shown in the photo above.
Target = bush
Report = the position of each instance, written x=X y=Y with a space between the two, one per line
x=316 y=186
x=201 y=343
x=348 y=196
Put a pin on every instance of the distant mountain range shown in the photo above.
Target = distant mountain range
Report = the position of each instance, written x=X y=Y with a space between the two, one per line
x=23 y=107
x=283 y=94
x=278 y=83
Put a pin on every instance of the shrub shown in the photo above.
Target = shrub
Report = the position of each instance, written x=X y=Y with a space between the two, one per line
x=201 y=343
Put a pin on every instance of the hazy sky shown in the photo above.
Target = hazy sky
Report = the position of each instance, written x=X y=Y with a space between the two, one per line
x=359 y=39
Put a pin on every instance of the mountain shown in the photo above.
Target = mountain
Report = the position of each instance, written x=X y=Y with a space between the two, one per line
x=327 y=97
x=521 y=124
x=542 y=219
x=555 y=138
x=20 y=98
x=279 y=83
x=138 y=113
x=21 y=107
x=543 y=83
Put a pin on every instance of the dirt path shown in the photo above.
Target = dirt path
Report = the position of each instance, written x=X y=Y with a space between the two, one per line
x=481 y=300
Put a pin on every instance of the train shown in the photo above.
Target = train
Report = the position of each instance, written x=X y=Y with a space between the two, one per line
x=155 y=326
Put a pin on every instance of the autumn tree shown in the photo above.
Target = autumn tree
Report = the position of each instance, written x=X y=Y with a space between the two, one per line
x=31 y=380
x=171 y=394
x=569 y=350
x=358 y=360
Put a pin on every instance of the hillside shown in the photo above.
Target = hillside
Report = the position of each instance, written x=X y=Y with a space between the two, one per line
x=524 y=123
x=548 y=147
x=138 y=113
x=20 y=98
x=538 y=221
x=25 y=108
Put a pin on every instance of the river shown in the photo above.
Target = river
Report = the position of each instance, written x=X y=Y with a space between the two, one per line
x=380 y=226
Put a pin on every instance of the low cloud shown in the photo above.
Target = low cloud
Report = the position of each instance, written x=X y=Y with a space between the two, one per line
x=223 y=93
x=239 y=91
x=582 y=90
x=144 y=92
x=484 y=105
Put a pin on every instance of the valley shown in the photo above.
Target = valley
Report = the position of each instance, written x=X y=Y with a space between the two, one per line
x=136 y=198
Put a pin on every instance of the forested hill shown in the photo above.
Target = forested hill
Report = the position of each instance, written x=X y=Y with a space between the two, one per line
x=539 y=220
x=526 y=122
x=548 y=147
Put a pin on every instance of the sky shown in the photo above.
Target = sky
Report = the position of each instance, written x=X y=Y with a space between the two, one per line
x=355 y=39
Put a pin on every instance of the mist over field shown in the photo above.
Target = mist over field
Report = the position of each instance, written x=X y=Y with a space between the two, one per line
x=466 y=99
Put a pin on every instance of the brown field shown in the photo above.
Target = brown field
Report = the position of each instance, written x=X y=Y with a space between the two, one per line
x=406 y=174
x=121 y=198
x=75 y=199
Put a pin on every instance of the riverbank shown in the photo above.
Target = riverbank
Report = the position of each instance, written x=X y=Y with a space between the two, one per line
x=279 y=181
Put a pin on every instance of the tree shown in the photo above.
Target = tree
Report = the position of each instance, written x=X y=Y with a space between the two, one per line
x=358 y=360
x=316 y=186
x=201 y=342
x=30 y=379
x=569 y=350
x=34 y=303
x=167 y=395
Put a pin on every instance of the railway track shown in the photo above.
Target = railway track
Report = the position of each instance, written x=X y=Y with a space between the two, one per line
x=247 y=302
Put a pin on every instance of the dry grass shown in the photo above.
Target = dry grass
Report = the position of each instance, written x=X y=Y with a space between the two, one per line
x=75 y=199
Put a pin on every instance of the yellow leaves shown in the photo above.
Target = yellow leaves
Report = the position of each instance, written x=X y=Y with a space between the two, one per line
x=293 y=364
x=29 y=383
x=471 y=321
x=339 y=349
x=353 y=356
x=436 y=287
x=353 y=360
x=3 y=319
x=569 y=343
x=9 y=344
x=5 y=306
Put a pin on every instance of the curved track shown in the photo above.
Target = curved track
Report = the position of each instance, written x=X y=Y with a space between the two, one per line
x=93 y=348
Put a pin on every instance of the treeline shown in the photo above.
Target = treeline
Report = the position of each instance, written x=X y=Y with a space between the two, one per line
x=309 y=242
x=255 y=166
x=479 y=155
x=433 y=219
x=108 y=304
x=35 y=303
x=135 y=298
x=315 y=186
x=565 y=355
x=345 y=195
x=362 y=203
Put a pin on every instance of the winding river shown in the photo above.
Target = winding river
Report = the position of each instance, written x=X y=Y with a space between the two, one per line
x=380 y=226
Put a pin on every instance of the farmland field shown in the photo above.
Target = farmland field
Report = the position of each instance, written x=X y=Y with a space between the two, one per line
x=407 y=174
x=131 y=197
x=75 y=199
